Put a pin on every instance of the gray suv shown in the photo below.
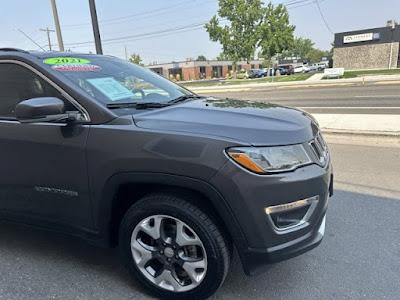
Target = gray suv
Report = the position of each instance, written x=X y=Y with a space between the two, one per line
x=113 y=153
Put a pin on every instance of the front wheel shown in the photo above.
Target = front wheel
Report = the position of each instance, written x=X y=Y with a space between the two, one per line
x=173 y=248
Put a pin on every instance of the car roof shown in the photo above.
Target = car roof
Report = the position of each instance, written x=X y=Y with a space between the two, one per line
x=41 y=54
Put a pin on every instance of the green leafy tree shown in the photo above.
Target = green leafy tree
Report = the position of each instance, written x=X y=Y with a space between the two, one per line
x=135 y=58
x=275 y=31
x=314 y=55
x=301 y=47
x=201 y=58
x=240 y=36
x=223 y=56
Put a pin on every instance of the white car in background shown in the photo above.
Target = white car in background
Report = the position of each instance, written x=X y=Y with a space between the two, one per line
x=301 y=69
x=317 y=67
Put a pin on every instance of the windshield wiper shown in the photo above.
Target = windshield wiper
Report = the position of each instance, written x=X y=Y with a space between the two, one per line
x=184 y=98
x=137 y=105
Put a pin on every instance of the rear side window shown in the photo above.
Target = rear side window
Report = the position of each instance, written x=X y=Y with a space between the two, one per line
x=18 y=84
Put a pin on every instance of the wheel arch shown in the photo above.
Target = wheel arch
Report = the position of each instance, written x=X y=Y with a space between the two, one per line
x=117 y=198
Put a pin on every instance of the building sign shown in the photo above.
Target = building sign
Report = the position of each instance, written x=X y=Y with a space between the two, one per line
x=334 y=72
x=361 y=37
x=326 y=58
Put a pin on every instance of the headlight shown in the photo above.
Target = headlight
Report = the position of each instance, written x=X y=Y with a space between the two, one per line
x=270 y=159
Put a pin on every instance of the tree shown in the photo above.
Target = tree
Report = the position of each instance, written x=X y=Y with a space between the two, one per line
x=201 y=58
x=239 y=38
x=135 y=58
x=223 y=56
x=275 y=31
x=314 y=55
x=301 y=47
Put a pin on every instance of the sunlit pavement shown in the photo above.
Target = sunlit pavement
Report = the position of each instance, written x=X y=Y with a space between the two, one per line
x=358 y=259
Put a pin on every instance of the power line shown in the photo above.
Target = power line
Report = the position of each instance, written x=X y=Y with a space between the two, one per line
x=171 y=29
x=296 y=2
x=322 y=16
x=30 y=39
x=306 y=4
x=143 y=17
x=104 y=22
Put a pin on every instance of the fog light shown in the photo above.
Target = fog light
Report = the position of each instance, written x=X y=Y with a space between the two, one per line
x=290 y=215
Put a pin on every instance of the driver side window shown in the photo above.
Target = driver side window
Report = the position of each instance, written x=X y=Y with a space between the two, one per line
x=18 y=84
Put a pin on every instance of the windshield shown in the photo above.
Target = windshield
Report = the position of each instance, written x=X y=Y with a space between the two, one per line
x=111 y=80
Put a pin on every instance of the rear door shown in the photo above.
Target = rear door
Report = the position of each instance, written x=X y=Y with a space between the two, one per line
x=43 y=173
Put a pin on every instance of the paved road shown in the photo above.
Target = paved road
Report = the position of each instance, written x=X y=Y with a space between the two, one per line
x=342 y=98
x=358 y=259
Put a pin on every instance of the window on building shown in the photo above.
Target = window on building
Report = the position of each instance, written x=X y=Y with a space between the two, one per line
x=175 y=73
x=202 y=72
x=217 y=71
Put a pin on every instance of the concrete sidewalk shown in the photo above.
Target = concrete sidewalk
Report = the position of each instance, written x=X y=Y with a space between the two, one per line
x=356 y=123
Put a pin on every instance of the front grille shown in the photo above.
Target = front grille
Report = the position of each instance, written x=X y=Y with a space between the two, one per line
x=320 y=149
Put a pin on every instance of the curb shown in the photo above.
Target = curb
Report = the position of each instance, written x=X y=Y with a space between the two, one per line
x=359 y=133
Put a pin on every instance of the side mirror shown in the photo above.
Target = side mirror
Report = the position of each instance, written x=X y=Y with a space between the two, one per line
x=46 y=109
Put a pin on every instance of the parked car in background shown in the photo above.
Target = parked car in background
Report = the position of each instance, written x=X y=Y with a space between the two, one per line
x=250 y=73
x=264 y=72
x=317 y=67
x=282 y=71
x=289 y=69
x=242 y=74
x=301 y=69
x=254 y=73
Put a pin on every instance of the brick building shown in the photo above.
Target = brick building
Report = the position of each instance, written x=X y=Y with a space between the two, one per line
x=192 y=70
x=376 y=48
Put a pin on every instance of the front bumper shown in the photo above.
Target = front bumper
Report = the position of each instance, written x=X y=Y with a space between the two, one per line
x=248 y=196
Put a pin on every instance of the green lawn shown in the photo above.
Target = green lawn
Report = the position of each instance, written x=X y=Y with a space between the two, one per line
x=354 y=74
x=283 y=78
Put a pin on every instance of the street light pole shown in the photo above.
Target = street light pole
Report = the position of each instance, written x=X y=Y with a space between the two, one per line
x=57 y=24
x=95 y=25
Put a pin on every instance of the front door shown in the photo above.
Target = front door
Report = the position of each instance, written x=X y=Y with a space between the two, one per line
x=43 y=173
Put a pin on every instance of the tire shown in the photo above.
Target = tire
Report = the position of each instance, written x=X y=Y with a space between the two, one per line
x=158 y=213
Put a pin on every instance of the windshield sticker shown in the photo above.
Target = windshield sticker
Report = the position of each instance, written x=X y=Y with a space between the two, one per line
x=111 y=88
x=65 y=60
x=76 y=67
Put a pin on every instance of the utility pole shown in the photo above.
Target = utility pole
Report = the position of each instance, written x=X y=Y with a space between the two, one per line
x=126 y=54
x=57 y=23
x=47 y=30
x=95 y=25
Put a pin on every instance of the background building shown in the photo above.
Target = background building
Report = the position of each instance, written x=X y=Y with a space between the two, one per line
x=376 y=48
x=191 y=70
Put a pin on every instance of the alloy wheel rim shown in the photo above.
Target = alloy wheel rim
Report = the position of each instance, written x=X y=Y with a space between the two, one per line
x=169 y=253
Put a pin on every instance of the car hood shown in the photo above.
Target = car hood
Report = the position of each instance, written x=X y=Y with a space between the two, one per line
x=256 y=123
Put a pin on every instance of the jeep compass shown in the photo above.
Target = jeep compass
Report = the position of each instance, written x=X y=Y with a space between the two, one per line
x=111 y=152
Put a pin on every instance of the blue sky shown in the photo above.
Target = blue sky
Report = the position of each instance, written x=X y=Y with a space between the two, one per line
x=135 y=19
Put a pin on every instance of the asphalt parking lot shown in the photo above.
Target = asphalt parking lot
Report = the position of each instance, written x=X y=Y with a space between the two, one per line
x=358 y=259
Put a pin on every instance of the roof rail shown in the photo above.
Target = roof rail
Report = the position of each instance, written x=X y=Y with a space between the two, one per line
x=13 y=50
